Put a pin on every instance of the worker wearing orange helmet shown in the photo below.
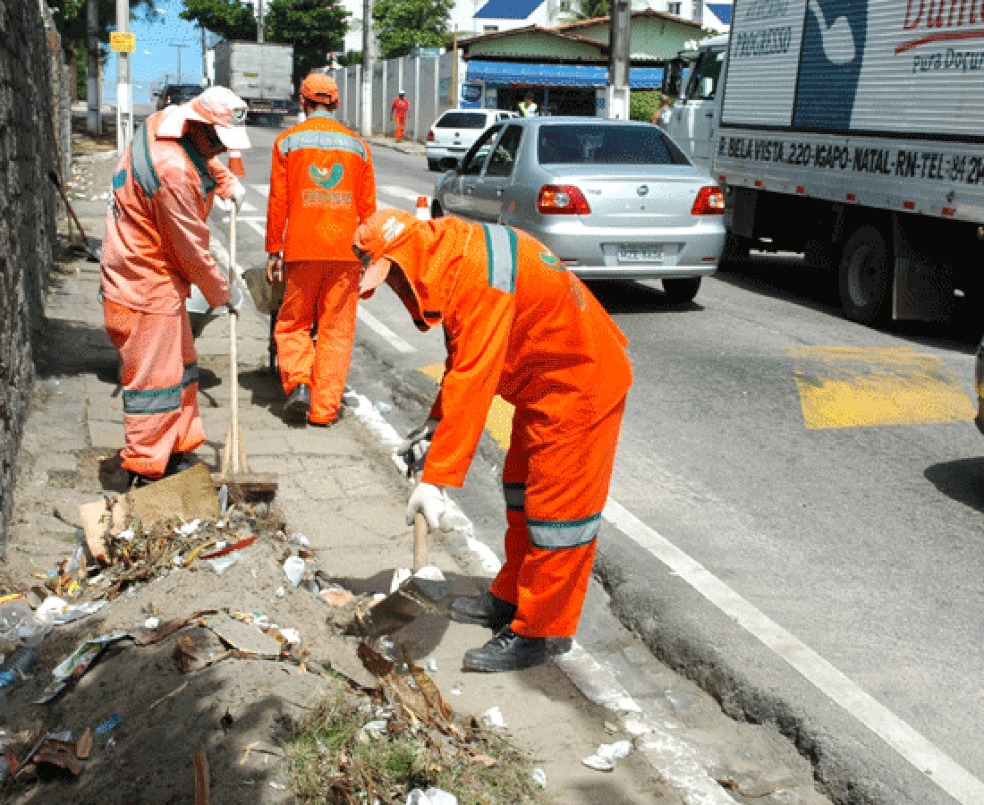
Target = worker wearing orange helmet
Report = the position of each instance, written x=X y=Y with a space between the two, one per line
x=517 y=324
x=156 y=247
x=322 y=187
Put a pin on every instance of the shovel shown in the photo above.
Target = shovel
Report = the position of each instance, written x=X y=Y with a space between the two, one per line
x=417 y=596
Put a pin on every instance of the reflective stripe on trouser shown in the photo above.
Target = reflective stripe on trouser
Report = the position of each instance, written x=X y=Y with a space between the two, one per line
x=160 y=386
x=325 y=293
x=556 y=485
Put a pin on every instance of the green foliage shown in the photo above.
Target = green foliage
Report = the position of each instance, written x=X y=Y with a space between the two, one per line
x=229 y=19
x=588 y=10
x=70 y=19
x=642 y=104
x=314 y=27
x=350 y=58
x=403 y=24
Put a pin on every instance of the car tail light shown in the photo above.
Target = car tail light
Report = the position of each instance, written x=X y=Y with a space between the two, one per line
x=562 y=199
x=709 y=201
x=430 y=136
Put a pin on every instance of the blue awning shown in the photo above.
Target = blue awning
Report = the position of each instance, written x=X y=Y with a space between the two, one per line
x=508 y=9
x=558 y=75
x=721 y=10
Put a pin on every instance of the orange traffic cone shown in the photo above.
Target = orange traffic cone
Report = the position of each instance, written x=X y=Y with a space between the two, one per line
x=423 y=208
x=236 y=164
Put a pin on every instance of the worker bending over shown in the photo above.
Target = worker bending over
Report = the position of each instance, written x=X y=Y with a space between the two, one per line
x=517 y=324
x=321 y=188
x=156 y=247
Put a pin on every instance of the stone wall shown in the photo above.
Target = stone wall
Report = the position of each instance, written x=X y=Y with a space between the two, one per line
x=27 y=215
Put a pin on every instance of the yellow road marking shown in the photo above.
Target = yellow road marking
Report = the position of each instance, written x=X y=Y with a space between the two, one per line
x=849 y=387
x=499 y=421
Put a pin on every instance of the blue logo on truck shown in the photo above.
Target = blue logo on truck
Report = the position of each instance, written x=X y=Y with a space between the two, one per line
x=830 y=64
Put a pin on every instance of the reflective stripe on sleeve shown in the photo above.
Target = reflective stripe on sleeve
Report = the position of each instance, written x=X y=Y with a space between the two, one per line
x=501 y=247
x=143 y=166
x=515 y=495
x=151 y=401
x=548 y=534
x=323 y=140
x=190 y=375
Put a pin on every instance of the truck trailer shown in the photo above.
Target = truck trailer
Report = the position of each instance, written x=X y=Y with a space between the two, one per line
x=261 y=73
x=851 y=131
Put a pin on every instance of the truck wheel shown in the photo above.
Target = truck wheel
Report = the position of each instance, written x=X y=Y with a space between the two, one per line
x=865 y=277
x=681 y=289
x=433 y=165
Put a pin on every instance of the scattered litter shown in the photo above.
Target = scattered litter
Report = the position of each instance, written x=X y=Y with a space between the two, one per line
x=17 y=622
x=400 y=575
x=152 y=623
x=55 y=610
x=432 y=796
x=540 y=777
x=382 y=407
x=294 y=568
x=377 y=726
x=243 y=637
x=607 y=755
x=455 y=691
x=281 y=592
x=277 y=786
x=72 y=668
x=126 y=535
x=336 y=595
x=21 y=663
x=493 y=717
x=187 y=529
x=223 y=498
x=225 y=550
x=223 y=563
x=431 y=664
x=298 y=538
x=292 y=636
x=109 y=724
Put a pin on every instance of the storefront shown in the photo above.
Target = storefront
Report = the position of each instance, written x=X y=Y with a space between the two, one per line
x=558 y=89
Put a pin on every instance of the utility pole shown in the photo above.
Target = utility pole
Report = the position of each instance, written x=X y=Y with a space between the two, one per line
x=93 y=88
x=259 y=21
x=618 y=59
x=124 y=89
x=179 y=47
x=204 y=58
x=367 y=61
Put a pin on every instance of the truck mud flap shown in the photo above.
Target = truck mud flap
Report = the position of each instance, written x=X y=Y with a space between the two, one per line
x=923 y=287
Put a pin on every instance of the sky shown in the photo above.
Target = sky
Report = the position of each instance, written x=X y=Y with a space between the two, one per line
x=156 y=55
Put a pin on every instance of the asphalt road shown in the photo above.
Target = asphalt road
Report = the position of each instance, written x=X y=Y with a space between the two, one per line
x=796 y=514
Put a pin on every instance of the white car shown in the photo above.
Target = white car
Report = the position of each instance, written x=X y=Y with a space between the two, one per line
x=454 y=132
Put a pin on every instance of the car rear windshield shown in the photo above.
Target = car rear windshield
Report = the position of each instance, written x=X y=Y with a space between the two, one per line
x=624 y=145
x=462 y=120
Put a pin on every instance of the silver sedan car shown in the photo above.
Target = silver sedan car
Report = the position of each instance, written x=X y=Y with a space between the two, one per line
x=613 y=199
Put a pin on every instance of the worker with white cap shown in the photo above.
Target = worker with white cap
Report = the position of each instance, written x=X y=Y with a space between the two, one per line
x=156 y=247
x=398 y=111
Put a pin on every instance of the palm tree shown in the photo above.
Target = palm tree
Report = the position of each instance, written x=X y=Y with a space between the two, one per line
x=587 y=10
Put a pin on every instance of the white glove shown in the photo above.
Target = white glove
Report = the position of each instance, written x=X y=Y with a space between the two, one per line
x=235 y=303
x=413 y=449
x=238 y=195
x=431 y=501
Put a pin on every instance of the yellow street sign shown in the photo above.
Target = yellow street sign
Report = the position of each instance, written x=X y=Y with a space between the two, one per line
x=122 y=43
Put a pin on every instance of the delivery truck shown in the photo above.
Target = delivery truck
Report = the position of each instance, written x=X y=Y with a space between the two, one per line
x=261 y=73
x=851 y=131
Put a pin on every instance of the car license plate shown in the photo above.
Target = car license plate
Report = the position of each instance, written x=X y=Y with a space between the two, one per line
x=640 y=254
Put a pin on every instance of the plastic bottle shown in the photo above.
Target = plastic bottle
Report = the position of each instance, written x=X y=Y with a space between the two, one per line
x=17 y=622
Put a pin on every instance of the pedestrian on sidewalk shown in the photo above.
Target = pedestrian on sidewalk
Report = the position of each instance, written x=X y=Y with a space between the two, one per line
x=156 y=246
x=398 y=111
x=519 y=325
x=528 y=107
x=322 y=186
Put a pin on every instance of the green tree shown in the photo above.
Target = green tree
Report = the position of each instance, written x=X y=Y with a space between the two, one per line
x=403 y=24
x=229 y=19
x=588 y=10
x=314 y=27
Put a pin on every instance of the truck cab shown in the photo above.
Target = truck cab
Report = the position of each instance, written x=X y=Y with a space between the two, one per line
x=695 y=79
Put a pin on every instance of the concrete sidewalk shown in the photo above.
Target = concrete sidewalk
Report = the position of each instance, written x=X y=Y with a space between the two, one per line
x=338 y=486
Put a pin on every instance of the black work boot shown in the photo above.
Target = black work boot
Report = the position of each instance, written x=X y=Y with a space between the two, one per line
x=507 y=651
x=298 y=402
x=179 y=462
x=135 y=480
x=486 y=610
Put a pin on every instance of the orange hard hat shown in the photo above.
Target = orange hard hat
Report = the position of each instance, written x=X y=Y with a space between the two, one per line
x=319 y=88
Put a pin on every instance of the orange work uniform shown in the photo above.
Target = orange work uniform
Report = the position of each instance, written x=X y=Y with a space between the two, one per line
x=322 y=186
x=156 y=246
x=399 y=109
x=518 y=324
